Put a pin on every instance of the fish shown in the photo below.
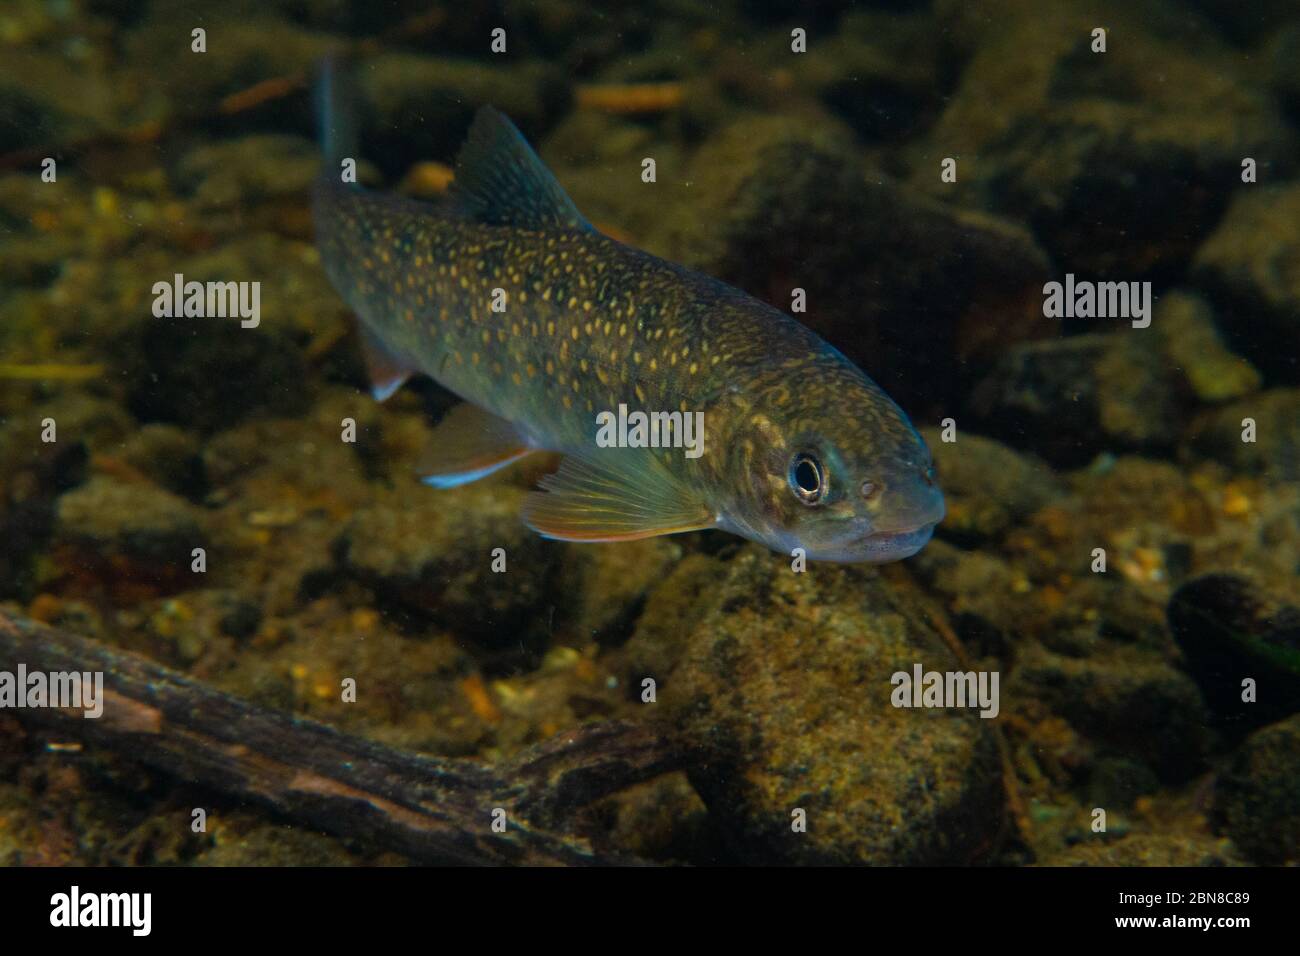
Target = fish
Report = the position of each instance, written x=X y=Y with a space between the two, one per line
x=545 y=327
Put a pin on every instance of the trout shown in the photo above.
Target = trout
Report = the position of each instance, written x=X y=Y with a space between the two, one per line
x=550 y=331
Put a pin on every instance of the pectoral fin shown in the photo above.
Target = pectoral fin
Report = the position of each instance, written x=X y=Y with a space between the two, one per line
x=614 y=495
x=469 y=444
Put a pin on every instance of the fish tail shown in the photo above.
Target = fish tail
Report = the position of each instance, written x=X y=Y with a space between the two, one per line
x=336 y=115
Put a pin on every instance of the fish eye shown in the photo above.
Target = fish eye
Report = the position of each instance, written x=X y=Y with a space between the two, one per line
x=807 y=478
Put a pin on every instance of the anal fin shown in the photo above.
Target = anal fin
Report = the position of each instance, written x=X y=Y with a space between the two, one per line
x=468 y=444
x=618 y=498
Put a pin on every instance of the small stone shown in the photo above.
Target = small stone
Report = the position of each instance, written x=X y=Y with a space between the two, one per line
x=431 y=553
x=988 y=486
x=1257 y=799
x=1185 y=322
x=125 y=534
x=1232 y=628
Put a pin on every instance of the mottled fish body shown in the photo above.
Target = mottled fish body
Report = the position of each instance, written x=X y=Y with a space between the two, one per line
x=504 y=294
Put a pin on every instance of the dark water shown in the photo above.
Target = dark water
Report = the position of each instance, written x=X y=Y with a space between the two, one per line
x=1115 y=582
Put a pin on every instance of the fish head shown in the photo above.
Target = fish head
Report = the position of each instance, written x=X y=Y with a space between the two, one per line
x=834 y=468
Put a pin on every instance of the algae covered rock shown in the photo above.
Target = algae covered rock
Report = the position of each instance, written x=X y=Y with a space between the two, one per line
x=785 y=683
x=209 y=374
x=779 y=203
x=987 y=486
x=1231 y=629
x=1257 y=798
x=127 y=534
x=250 y=169
x=433 y=554
x=1074 y=397
x=1141 y=142
x=1193 y=344
x=1148 y=849
x=1249 y=265
x=1256 y=435
x=1109 y=692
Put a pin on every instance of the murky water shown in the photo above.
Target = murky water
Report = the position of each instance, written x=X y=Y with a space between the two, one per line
x=1061 y=238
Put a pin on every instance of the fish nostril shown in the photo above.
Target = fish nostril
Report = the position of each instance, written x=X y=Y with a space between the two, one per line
x=928 y=475
x=870 y=489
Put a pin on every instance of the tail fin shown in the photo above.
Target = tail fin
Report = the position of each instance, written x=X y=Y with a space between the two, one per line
x=336 y=113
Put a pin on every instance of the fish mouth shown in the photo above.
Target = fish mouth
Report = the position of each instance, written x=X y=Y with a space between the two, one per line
x=881 y=547
x=896 y=545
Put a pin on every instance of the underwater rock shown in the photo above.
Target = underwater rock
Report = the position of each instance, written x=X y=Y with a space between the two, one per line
x=1112 y=690
x=1120 y=161
x=169 y=456
x=1275 y=451
x=1191 y=341
x=1231 y=628
x=98 y=424
x=1148 y=849
x=209 y=374
x=779 y=203
x=1074 y=397
x=1283 y=56
x=282 y=489
x=876 y=72
x=987 y=486
x=251 y=169
x=664 y=628
x=986 y=595
x=785 y=683
x=34 y=473
x=663 y=820
x=1117 y=782
x=1241 y=266
x=126 y=537
x=47 y=99
x=29 y=488
x=1257 y=799
x=432 y=553
x=609 y=585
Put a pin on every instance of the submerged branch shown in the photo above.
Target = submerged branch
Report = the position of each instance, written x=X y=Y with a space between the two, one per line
x=431 y=809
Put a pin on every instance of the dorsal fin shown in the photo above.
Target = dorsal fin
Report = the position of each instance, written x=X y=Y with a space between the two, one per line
x=502 y=182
